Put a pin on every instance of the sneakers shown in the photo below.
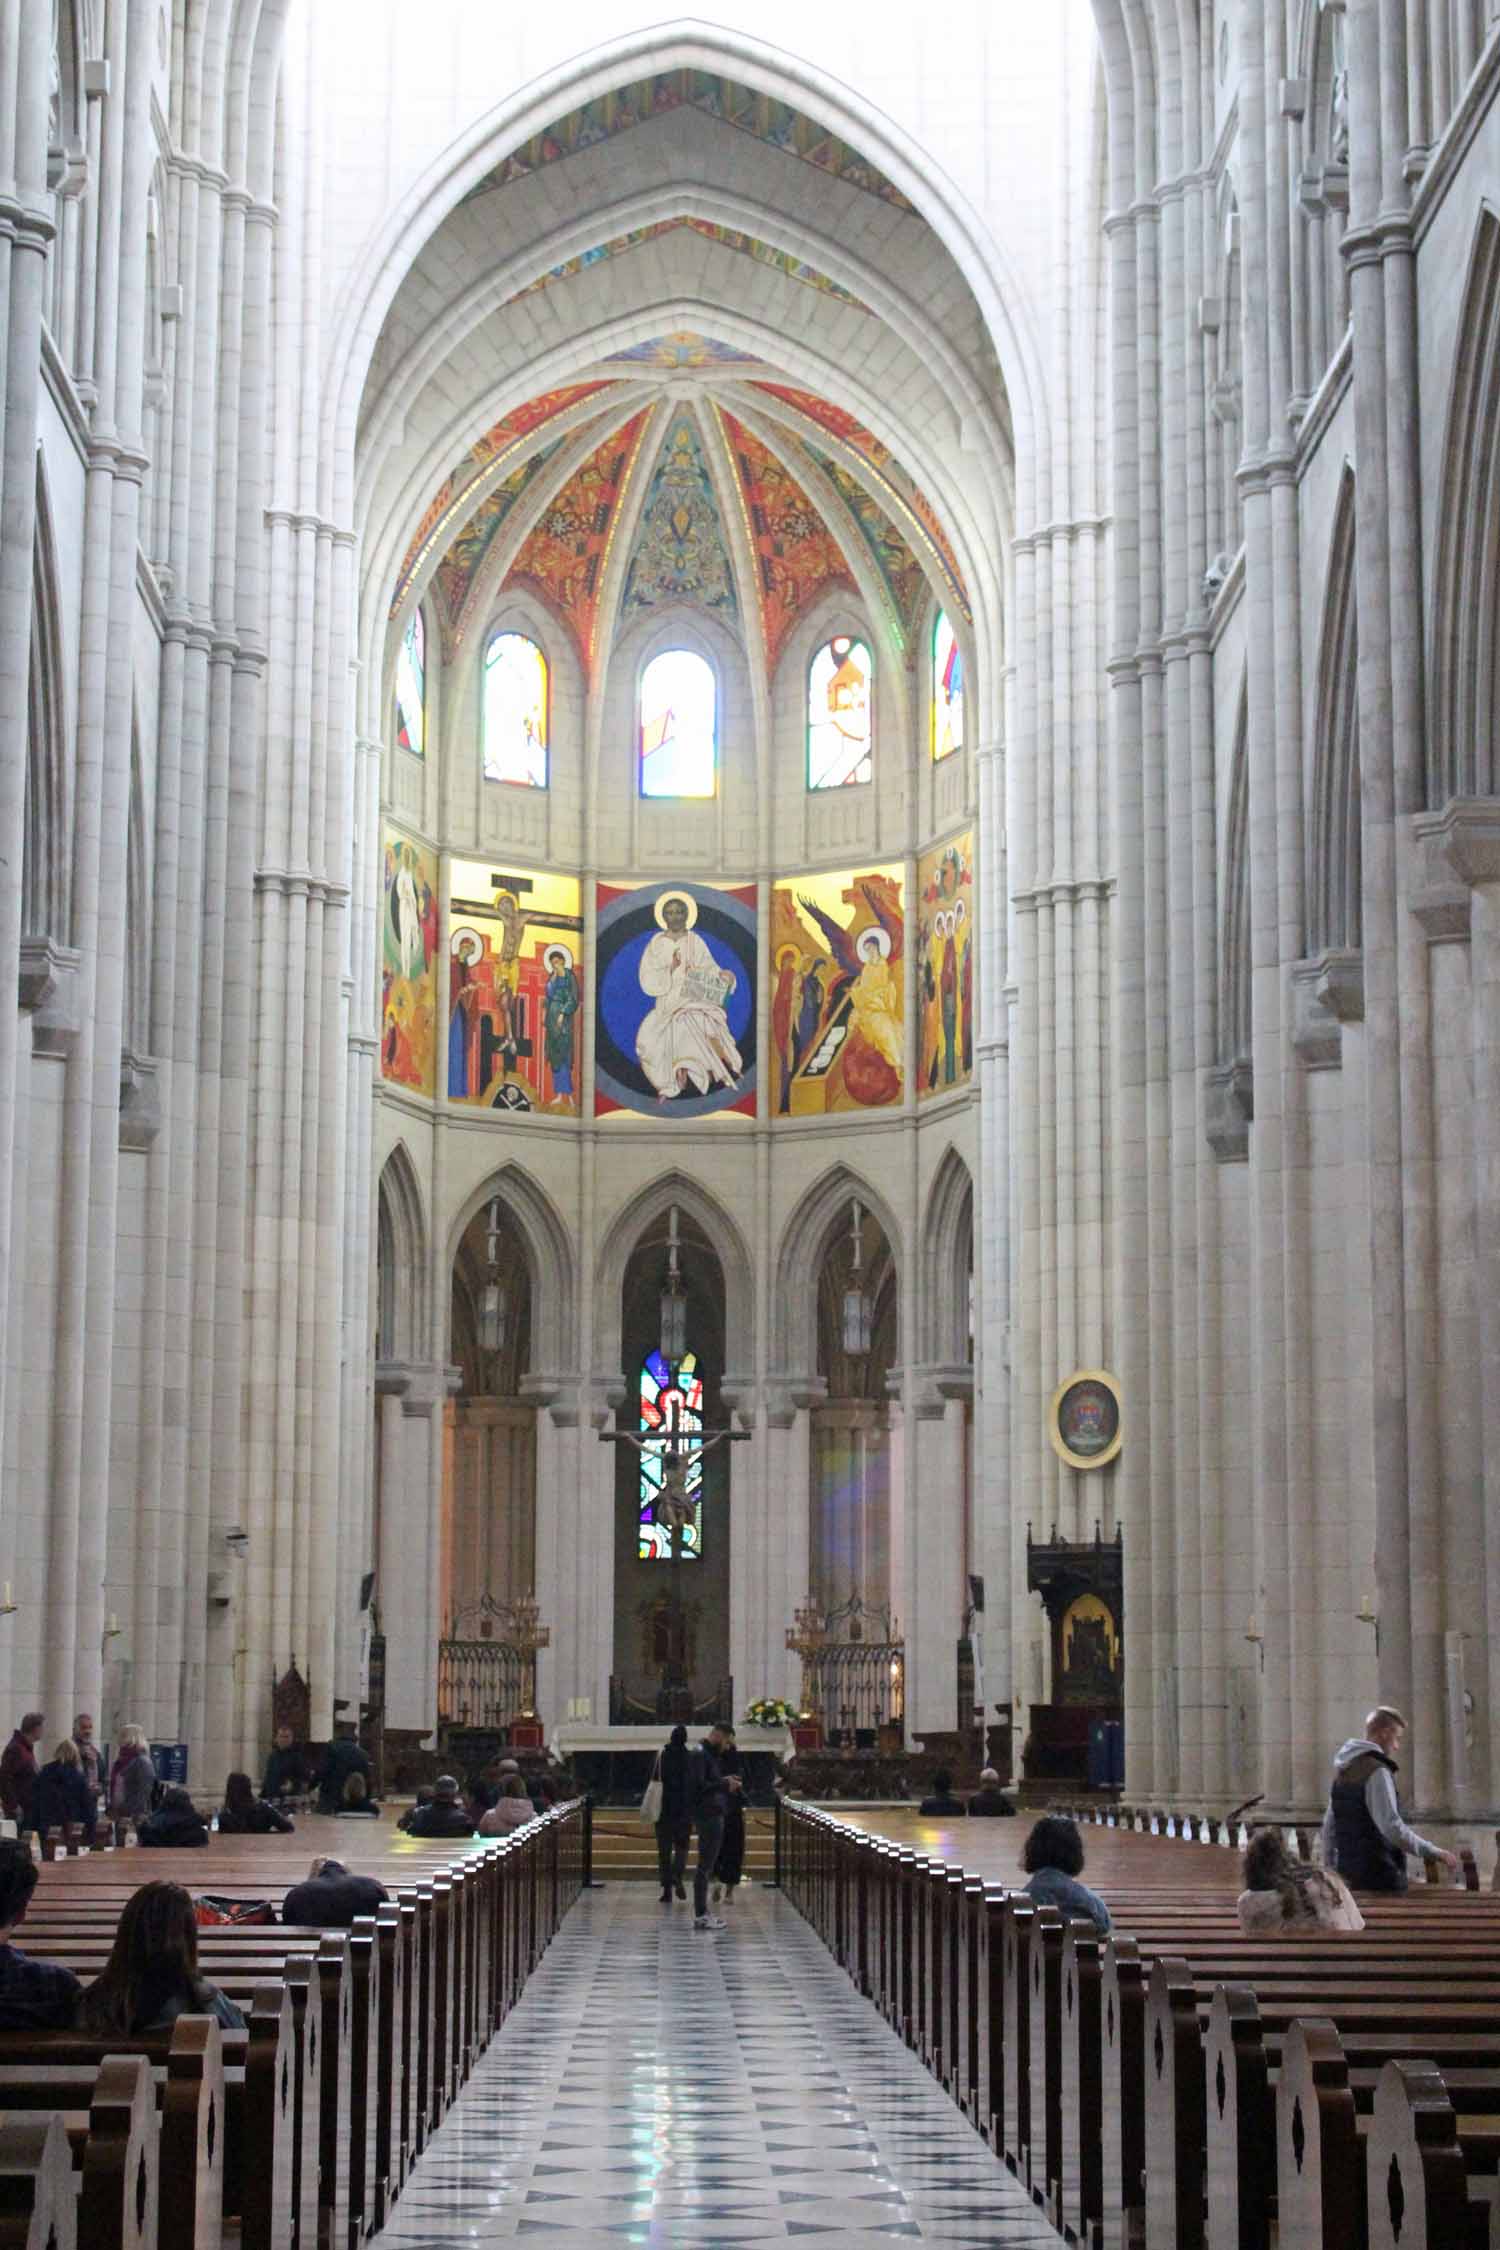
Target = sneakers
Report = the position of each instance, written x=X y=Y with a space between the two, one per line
x=709 y=1922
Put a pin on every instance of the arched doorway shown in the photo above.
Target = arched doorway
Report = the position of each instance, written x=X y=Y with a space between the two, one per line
x=488 y=1536
x=851 y=1426
x=672 y=1582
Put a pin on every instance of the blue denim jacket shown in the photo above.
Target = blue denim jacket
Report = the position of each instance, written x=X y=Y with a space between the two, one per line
x=1073 y=1900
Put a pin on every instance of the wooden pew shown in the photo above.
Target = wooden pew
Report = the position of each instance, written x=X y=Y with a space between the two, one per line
x=38 y=2200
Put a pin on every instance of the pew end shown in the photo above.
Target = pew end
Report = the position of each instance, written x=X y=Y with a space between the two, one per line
x=119 y=2193
x=1416 y=2180
x=38 y=2199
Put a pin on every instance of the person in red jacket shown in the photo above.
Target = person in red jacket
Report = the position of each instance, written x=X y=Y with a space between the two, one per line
x=18 y=1770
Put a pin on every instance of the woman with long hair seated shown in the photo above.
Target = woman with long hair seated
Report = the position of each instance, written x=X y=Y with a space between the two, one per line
x=151 y=1977
x=245 y=1814
x=1280 y=1890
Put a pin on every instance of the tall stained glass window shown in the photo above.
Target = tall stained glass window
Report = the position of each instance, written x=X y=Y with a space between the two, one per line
x=671 y=1402
x=515 y=711
x=838 y=714
x=411 y=688
x=679 y=726
x=947 y=689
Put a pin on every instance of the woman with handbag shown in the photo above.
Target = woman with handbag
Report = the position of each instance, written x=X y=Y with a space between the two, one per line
x=670 y=1812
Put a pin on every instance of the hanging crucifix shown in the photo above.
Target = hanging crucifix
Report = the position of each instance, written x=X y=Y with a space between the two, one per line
x=678 y=1451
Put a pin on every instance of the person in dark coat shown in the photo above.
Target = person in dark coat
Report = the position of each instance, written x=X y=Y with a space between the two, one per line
x=942 y=1804
x=1364 y=1835
x=245 y=1814
x=176 y=1824
x=988 y=1803
x=18 y=1771
x=331 y=1898
x=447 y=1815
x=342 y=1758
x=731 y=1868
x=674 y=1822
x=286 y=1768
x=62 y=1797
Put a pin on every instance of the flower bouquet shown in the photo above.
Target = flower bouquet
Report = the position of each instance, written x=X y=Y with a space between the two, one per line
x=769 y=1712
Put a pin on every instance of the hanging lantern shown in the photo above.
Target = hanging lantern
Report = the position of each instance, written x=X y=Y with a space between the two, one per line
x=857 y=1320
x=493 y=1309
x=674 y=1308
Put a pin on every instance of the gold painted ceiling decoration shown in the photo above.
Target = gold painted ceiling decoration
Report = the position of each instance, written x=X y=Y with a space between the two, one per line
x=562 y=558
x=507 y=435
x=679 y=552
x=773 y=123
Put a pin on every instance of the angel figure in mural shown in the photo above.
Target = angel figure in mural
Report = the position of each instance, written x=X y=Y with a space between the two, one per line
x=865 y=973
x=684 y=1044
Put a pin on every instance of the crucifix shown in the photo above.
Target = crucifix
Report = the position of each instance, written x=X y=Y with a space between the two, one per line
x=679 y=1451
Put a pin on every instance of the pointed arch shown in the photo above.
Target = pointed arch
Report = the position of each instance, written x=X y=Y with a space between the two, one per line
x=948 y=1263
x=820 y=1212
x=1461 y=754
x=551 y=1264
x=1334 y=919
x=635 y=1218
x=46 y=852
x=400 y=1261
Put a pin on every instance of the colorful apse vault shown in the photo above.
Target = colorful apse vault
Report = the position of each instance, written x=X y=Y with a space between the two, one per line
x=837 y=1012
x=945 y=965
x=515 y=990
x=675 y=1008
x=408 y=957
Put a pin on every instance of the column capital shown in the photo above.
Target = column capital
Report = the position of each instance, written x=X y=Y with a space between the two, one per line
x=1466 y=836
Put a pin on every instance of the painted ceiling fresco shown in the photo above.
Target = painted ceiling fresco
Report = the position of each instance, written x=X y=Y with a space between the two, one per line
x=841 y=425
x=796 y=555
x=729 y=238
x=562 y=557
x=684 y=347
x=506 y=433
x=456 y=572
x=903 y=576
x=768 y=121
x=680 y=553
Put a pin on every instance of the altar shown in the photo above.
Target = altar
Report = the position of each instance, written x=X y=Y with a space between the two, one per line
x=614 y=1763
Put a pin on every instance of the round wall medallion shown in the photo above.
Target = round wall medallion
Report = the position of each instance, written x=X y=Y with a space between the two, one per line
x=1085 y=1424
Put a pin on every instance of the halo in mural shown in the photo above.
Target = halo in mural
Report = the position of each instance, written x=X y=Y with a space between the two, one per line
x=688 y=902
x=675 y=1000
x=1085 y=1423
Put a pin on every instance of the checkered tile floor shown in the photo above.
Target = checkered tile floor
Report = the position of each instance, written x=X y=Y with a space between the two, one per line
x=663 y=2086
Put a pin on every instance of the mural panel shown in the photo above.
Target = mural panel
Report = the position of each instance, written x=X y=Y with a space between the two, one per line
x=838 y=1022
x=408 y=960
x=515 y=990
x=945 y=965
x=675 y=1015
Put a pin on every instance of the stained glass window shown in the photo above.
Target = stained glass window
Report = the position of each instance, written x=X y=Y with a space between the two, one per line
x=947 y=689
x=515 y=711
x=671 y=1402
x=679 y=726
x=838 y=714
x=411 y=688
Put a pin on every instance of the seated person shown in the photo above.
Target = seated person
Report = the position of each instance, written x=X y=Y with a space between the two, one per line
x=331 y=1898
x=942 y=1804
x=34 y=1995
x=1053 y=1858
x=176 y=1823
x=483 y=1789
x=447 y=1815
x=61 y=1796
x=245 y=1814
x=151 y=1977
x=545 y=1792
x=1280 y=1890
x=512 y=1809
x=342 y=1758
x=356 y=1798
x=286 y=1768
x=424 y=1799
x=987 y=1803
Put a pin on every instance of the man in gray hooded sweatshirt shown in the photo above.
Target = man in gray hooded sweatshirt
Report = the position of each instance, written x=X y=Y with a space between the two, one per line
x=1364 y=1836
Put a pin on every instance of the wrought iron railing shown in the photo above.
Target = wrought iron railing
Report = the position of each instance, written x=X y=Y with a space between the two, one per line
x=483 y=1679
x=856 y=1682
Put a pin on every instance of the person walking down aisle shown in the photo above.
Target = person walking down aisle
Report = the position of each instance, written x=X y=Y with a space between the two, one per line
x=1364 y=1836
x=674 y=1822
x=709 y=1790
x=731 y=1868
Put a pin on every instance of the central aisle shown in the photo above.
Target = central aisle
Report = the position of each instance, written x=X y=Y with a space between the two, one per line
x=664 y=2086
